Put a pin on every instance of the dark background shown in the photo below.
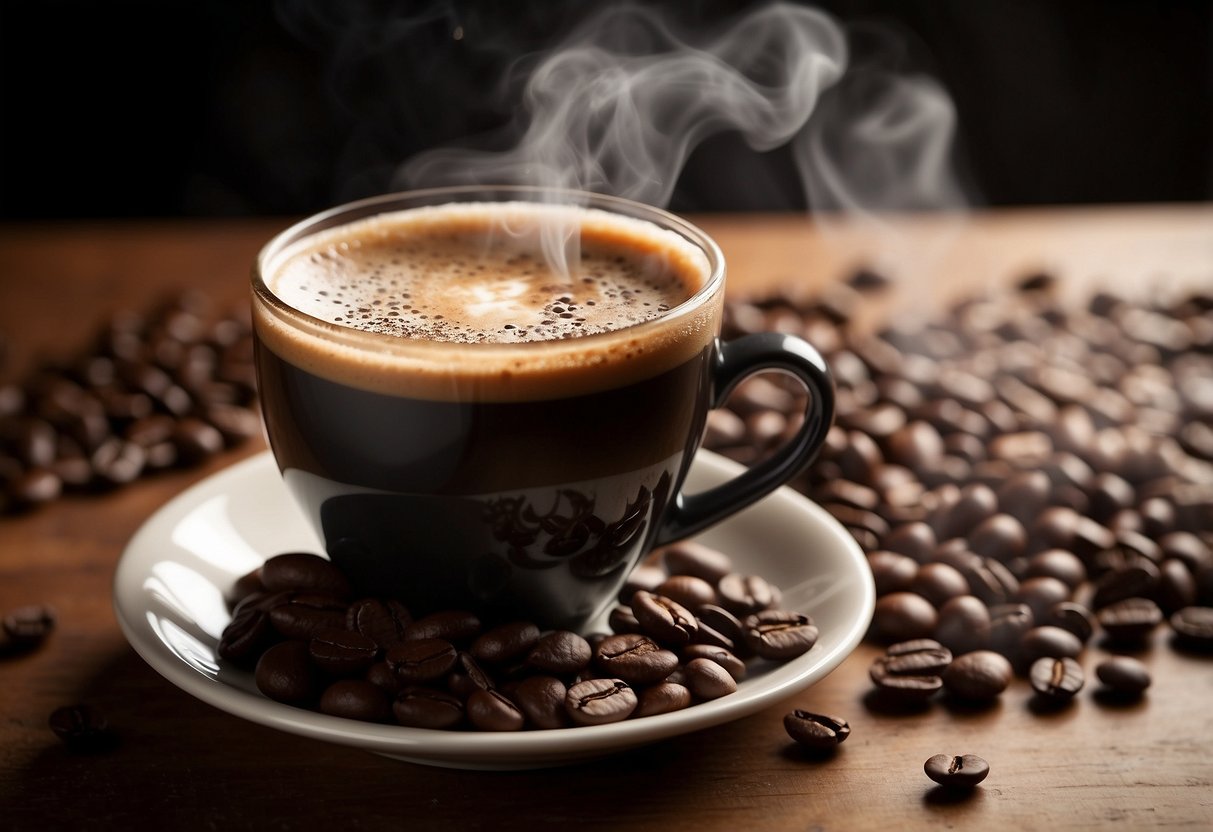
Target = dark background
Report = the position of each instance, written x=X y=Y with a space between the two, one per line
x=135 y=108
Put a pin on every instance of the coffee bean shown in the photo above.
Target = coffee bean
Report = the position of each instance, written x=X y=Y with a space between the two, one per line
x=938 y=583
x=665 y=620
x=1041 y=595
x=285 y=673
x=980 y=675
x=562 y=653
x=621 y=620
x=644 y=577
x=1057 y=563
x=991 y=581
x=892 y=572
x=999 y=536
x=82 y=728
x=1056 y=679
x=505 y=642
x=302 y=616
x=419 y=707
x=381 y=676
x=541 y=700
x=196 y=440
x=382 y=621
x=779 y=634
x=356 y=699
x=600 y=701
x=634 y=658
x=342 y=652
x=918 y=657
x=451 y=625
x=690 y=558
x=721 y=621
x=900 y=616
x=1008 y=624
x=246 y=636
x=491 y=710
x=916 y=540
x=117 y=462
x=687 y=590
x=1123 y=675
x=35 y=487
x=975 y=504
x=422 y=660
x=963 y=772
x=1073 y=617
x=1130 y=620
x=304 y=571
x=1176 y=587
x=963 y=625
x=903 y=688
x=1135 y=579
x=746 y=594
x=662 y=698
x=735 y=666
x=28 y=626
x=1048 y=641
x=816 y=731
x=1193 y=627
x=708 y=680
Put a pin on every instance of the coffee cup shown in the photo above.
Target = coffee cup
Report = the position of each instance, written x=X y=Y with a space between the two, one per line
x=488 y=398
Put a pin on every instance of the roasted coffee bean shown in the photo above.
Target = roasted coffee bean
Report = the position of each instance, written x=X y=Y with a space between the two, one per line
x=662 y=698
x=939 y=583
x=1041 y=595
x=305 y=572
x=991 y=581
x=690 y=558
x=721 y=621
x=644 y=577
x=28 y=626
x=687 y=590
x=304 y=615
x=708 y=680
x=196 y=440
x=1056 y=679
x=735 y=666
x=246 y=636
x=621 y=620
x=381 y=676
x=491 y=710
x=980 y=675
x=918 y=657
x=903 y=687
x=891 y=571
x=1123 y=676
x=1057 y=563
x=600 y=701
x=746 y=594
x=343 y=652
x=634 y=658
x=1071 y=616
x=915 y=539
x=779 y=634
x=816 y=731
x=1024 y=495
x=963 y=772
x=900 y=616
x=356 y=699
x=562 y=653
x=382 y=621
x=541 y=700
x=963 y=625
x=82 y=728
x=1193 y=626
x=450 y=625
x=975 y=504
x=422 y=660
x=1135 y=579
x=1008 y=624
x=1130 y=620
x=1176 y=586
x=285 y=673
x=1048 y=641
x=117 y=462
x=35 y=487
x=419 y=707
x=505 y=643
x=665 y=620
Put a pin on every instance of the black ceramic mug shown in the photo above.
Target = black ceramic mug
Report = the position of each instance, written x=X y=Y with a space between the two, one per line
x=520 y=462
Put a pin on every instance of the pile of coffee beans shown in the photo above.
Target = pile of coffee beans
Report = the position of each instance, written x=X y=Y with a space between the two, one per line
x=691 y=629
x=152 y=392
x=1024 y=477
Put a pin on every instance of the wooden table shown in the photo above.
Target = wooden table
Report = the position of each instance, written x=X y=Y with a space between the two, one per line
x=184 y=764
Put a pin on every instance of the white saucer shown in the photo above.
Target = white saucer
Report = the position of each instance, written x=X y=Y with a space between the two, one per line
x=170 y=585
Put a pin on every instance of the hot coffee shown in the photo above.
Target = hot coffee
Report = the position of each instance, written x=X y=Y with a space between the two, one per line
x=493 y=404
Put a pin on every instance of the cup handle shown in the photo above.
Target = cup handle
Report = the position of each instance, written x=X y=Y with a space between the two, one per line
x=735 y=360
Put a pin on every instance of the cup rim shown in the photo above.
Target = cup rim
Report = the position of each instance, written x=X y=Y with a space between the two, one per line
x=362 y=209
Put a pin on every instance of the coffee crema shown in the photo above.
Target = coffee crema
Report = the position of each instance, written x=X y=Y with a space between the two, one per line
x=458 y=300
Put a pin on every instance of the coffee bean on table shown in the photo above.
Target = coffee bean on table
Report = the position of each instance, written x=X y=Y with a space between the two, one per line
x=903 y=615
x=891 y=571
x=1041 y=594
x=82 y=727
x=963 y=625
x=1123 y=676
x=980 y=675
x=903 y=688
x=1008 y=624
x=1072 y=616
x=356 y=699
x=918 y=657
x=1056 y=679
x=1130 y=620
x=963 y=772
x=939 y=583
x=1193 y=627
x=600 y=701
x=779 y=634
x=1048 y=641
x=1057 y=563
x=816 y=731
x=26 y=627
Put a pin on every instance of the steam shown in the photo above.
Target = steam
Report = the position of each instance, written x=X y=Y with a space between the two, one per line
x=621 y=104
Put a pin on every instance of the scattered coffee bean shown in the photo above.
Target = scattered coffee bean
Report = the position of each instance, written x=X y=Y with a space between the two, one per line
x=963 y=772
x=919 y=657
x=1130 y=620
x=816 y=731
x=1123 y=676
x=24 y=628
x=903 y=615
x=979 y=675
x=1193 y=626
x=903 y=688
x=1056 y=679
x=82 y=728
x=963 y=625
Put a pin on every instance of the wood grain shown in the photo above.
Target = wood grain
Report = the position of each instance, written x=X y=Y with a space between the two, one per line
x=183 y=764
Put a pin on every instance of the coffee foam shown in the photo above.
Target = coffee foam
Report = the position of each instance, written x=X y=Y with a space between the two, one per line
x=456 y=301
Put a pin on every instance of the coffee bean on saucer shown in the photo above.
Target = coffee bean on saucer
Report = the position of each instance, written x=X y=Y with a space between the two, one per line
x=708 y=680
x=491 y=710
x=963 y=772
x=421 y=707
x=816 y=731
x=456 y=626
x=691 y=558
x=665 y=620
x=1193 y=627
x=304 y=571
x=735 y=666
x=687 y=590
x=342 y=652
x=779 y=634
x=1056 y=679
x=634 y=658
x=422 y=660
x=356 y=699
x=382 y=621
x=746 y=594
x=600 y=701
x=541 y=700
x=304 y=615
x=561 y=652
x=505 y=642
x=82 y=728
x=1123 y=676
x=978 y=676
x=662 y=698
x=285 y=673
